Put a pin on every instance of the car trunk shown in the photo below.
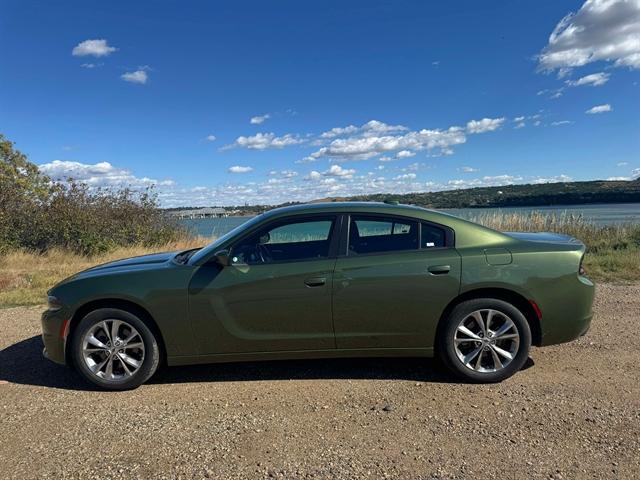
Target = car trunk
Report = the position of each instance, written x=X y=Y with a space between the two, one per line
x=547 y=237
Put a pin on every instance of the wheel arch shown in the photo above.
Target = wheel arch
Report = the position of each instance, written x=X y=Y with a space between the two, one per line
x=126 y=305
x=510 y=296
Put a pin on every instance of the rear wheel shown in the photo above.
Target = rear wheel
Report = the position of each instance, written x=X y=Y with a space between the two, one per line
x=114 y=349
x=484 y=340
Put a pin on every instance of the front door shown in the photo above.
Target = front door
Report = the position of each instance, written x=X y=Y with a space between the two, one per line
x=390 y=289
x=276 y=294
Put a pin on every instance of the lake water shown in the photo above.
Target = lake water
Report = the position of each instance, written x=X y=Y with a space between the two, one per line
x=606 y=214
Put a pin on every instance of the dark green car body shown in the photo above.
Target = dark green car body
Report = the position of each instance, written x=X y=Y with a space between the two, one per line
x=376 y=304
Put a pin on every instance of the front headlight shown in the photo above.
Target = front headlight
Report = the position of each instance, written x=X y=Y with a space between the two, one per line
x=53 y=303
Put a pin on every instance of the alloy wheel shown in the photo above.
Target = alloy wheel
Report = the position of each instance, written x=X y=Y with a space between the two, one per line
x=113 y=350
x=486 y=340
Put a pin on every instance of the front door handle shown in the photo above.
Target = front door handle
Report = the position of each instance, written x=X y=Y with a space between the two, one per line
x=439 y=269
x=315 y=281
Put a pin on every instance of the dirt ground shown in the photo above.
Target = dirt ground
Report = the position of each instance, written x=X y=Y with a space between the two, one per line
x=574 y=412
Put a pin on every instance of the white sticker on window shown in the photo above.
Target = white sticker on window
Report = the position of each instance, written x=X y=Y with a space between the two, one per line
x=431 y=244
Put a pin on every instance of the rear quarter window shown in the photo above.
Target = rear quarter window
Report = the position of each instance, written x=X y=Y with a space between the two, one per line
x=432 y=236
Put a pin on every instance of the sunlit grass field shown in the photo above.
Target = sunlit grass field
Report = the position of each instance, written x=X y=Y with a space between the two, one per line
x=613 y=254
x=25 y=277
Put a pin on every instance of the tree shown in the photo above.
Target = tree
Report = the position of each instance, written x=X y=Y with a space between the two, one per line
x=37 y=213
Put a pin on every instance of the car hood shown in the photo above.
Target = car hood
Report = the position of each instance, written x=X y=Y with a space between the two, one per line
x=125 y=263
x=144 y=262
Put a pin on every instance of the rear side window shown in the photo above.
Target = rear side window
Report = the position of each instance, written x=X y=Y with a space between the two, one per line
x=432 y=236
x=381 y=234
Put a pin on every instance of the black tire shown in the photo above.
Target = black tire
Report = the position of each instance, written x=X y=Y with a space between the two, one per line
x=150 y=361
x=445 y=344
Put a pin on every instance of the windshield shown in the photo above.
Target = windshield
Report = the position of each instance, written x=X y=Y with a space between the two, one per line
x=220 y=241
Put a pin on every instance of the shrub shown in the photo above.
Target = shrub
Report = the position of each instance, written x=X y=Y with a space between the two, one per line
x=38 y=214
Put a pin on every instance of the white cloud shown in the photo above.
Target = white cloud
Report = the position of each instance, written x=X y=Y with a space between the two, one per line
x=240 y=169
x=519 y=119
x=378 y=138
x=406 y=176
x=259 y=119
x=561 y=122
x=555 y=179
x=102 y=174
x=635 y=173
x=414 y=167
x=467 y=169
x=262 y=141
x=91 y=65
x=333 y=171
x=371 y=128
x=95 y=48
x=622 y=164
x=599 y=109
x=602 y=30
x=520 y=125
x=619 y=178
x=338 y=171
x=139 y=76
x=339 y=131
x=484 y=125
x=486 y=181
x=405 y=154
x=308 y=159
x=552 y=93
x=593 y=80
x=364 y=147
x=210 y=138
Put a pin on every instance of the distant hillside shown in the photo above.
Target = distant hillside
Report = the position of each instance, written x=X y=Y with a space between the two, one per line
x=529 y=195
x=565 y=193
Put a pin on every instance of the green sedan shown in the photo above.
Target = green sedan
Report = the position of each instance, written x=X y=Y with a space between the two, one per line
x=323 y=281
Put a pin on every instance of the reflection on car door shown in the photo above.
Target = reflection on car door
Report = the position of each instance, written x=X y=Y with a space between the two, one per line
x=389 y=290
x=276 y=295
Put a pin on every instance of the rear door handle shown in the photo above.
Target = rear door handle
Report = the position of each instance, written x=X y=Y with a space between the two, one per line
x=315 y=281
x=439 y=269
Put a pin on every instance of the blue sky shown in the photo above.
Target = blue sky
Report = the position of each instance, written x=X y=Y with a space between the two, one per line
x=346 y=97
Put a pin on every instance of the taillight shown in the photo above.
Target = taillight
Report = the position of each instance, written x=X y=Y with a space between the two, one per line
x=581 y=270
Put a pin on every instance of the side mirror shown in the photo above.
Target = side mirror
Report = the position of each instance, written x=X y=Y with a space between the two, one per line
x=264 y=239
x=222 y=257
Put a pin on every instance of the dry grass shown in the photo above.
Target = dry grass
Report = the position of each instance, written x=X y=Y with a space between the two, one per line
x=25 y=276
x=613 y=254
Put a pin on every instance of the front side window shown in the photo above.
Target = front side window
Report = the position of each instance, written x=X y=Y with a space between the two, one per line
x=305 y=239
x=381 y=234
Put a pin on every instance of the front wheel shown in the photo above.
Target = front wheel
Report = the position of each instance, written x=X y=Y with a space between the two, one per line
x=484 y=340
x=114 y=349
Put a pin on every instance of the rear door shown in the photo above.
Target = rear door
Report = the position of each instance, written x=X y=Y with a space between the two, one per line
x=393 y=280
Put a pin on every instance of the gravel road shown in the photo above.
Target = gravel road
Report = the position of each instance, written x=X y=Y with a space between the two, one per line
x=574 y=412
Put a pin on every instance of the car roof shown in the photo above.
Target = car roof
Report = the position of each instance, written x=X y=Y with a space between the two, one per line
x=373 y=207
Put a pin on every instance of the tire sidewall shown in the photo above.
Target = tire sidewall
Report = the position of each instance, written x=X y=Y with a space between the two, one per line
x=446 y=349
x=151 y=357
